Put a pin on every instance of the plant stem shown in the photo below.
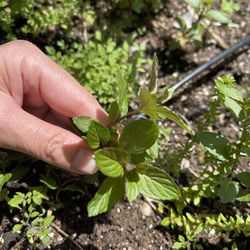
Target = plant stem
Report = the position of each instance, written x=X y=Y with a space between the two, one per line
x=129 y=114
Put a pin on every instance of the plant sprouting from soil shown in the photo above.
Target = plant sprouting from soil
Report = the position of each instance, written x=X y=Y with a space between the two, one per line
x=125 y=148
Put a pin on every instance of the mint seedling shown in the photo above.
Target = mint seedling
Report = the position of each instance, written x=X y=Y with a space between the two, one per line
x=125 y=156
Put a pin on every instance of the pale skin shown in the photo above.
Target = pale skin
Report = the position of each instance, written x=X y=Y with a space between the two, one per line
x=37 y=100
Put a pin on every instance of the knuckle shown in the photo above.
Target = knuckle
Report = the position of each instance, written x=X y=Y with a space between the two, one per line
x=54 y=142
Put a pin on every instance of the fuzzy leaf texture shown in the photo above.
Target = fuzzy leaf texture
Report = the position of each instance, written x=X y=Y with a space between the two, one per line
x=218 y=16
x=138 y=136
x=225 y=86
x=166 y=113
x=194 y=3
x=114 y=112
x=132 y=185
x=97 y=134
x=3 y=179
x=148 y=103
x=111 y=191
x=228 y=191
x=244 y=178
x=122 y=90
x=156 y=184
x=215 y=144
x=110 y=160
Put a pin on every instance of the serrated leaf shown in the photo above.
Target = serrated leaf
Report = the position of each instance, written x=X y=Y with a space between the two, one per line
x=49 y=182
x=114 y=112
x=233 y=106
x=244 y=178
x=166 y=113
x=218 y=16
x=17 y=228
x=97 y=134
x=243 y=196
x=148 y=103
x=166 y=95
x=16 y=201
x=156 y=184
x=110 y=161
x=153 y=75
x=3 y=179
x=228 y=191
x=229 y=6
x=138 y=136
x=48 y=220
x=228 y=91
x=194 y=3
x=123 y=99
x=132 y=187
x=215 y=144
x=153 y=151
x=111 y=191
x=82 y=123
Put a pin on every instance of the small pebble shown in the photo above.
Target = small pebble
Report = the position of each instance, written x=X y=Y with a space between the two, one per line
x=145 y=209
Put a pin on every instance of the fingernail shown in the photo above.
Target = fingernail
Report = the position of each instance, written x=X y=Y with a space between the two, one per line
x=84 y=162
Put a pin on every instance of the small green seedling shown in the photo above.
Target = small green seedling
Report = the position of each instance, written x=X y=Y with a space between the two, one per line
x=125 y=147
x=201 y=16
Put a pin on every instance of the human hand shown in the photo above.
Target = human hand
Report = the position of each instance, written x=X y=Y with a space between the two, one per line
x=37 y=98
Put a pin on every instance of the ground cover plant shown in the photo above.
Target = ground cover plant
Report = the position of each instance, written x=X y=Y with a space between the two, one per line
x=174 y=173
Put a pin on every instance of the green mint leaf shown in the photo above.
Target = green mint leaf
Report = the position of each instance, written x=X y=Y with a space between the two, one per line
x=153 y=151
x=111 y=191
x=49 y=182
x=166 y=95
x=97 y=134
x=194 y=3
x=156 y=184
x=17 y=228
x=244 y=178
x=228 y=191
x=148 y=103
x=82 y=123
x=110 y=161
x=229 y=6
x=3 y=179
x=227 y=90
x=153 y=75
x=215 y=144
x=243 y=196
x=138 y=136
x=48 y=220
x=218 y=16
x=233 y=106
x=16 y=201
x=166 y=113
x=132 y=187
x=114 y=112
x=122 y=99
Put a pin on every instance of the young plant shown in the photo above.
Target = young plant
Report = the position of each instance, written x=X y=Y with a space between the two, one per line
x=201 y=16
x=125 y=148
x=33 y=219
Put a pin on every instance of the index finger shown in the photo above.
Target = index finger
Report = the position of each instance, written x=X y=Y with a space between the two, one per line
x=43 y=78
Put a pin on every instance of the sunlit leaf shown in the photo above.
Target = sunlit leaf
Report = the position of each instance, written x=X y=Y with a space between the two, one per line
x=138 y=136
x=132 y=187
x=156 y=184
x=122 y=99
x=110 y=160
x=111 y=191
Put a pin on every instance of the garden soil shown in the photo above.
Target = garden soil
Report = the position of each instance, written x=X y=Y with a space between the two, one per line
x=137 y=226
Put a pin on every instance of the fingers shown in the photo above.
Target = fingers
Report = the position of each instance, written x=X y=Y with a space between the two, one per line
x=28 y=134
x=44 y=82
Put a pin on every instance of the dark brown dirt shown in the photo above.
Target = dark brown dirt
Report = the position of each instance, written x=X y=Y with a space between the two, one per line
x=126 y=226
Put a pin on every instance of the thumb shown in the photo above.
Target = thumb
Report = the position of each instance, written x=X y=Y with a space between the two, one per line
x=25 y=133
